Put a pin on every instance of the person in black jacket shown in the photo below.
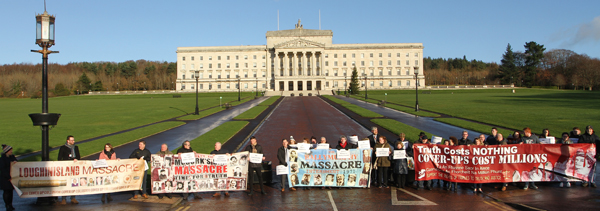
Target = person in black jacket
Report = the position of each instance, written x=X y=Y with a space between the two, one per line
x=344 y=144
x=491 y=140
x=219 y=151
x=141 y=153
x=186 y=147
x=589 y=137
x=69 y=152
x=281 y=154
x=465 y=139
x=255 y=167
x=5 y=161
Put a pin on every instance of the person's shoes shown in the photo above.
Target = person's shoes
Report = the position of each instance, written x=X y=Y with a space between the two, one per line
x=526 y=187
x=160 y=197
x=429 y=188
x=216 y=194
x=585 y=184
x=108 y=198
x=145 y=196
x=322 y=188
x=282 y=189
x=480 y=191
x=74 y=201
x=503 y=188
x=102 y=198
x=561 y=185
x=568 y=184
x=11 y=207
x=455 y=190
x=226 y=194
x=135 y=196
x=593 y=185
x=534 y=187
x=295 y=189
x=263 y=193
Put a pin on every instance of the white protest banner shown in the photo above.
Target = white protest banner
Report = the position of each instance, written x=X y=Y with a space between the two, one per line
x=303 y=147
x=436 y=140
x=574 y=140
x=281 y=169
x=67 y=178
x=364 y=145
x=399 y=154
x=188 y=157
x=99 y=163
x=343 y=154
x=382 y=152
x=323 y=146
x=256 y=158
x=220 y=159
x=145 y=165
x=548 y=140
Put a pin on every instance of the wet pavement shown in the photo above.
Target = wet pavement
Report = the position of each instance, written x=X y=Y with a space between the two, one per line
x=191 y=130
x=426 y=124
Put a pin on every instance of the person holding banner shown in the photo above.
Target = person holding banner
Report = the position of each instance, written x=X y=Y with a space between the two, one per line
x=545 y=133
x=313 y=142
x=590 y=137
x=141 y=153
x=491 y=140
x=186 y=147
x=477 y=188
x=164 y=150
x=401 y=165
x=529 y=138
x=69 y=151
x=219 y=151
x=382 y=163
x=255 y=167
x=565 y=140
x=575 y=133
x=281 y=154
x=515 y=139
x=5 y=161
x=465 y=139
x=373 y=139
x=425 y=140
x=107 y=154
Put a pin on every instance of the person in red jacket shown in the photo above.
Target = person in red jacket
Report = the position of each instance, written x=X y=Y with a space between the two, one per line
x=107 y=154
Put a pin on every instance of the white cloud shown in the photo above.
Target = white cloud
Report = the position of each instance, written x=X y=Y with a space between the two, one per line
x=583 y=33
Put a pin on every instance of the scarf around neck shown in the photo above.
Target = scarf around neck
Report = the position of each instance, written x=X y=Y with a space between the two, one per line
x=72 y=147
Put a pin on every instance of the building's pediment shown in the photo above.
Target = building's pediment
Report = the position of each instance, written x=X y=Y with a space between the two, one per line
x=300 y=43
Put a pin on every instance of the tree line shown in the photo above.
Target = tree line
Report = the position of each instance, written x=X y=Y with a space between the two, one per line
x=25 y=80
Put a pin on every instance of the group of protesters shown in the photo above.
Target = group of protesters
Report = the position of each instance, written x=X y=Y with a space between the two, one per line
x=389 y=171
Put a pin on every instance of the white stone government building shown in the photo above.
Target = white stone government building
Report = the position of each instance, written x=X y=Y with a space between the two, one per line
x=299 y=61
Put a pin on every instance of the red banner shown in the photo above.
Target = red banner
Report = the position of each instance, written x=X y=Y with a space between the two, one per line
x=506 y=163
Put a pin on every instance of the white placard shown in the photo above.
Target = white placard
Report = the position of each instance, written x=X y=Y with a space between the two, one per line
x=436 y=140
x=353 y=140
x=281 y=169
x=399 y=154
x=303 y=147
x=256 y=158
x=364 y=145
x=99 y=163
x=323 y=146
x=146 y=166
x=188 y=157
x=548 y=140
x=382 y=152
x=220 y=159
x=574 y=140
x=293 y=146
x=343 y=154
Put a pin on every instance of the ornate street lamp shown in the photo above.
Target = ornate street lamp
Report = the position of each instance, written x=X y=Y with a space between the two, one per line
x=44 y=39
x=417 y=88
x=197 y=76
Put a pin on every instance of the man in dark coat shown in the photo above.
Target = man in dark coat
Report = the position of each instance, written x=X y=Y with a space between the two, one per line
x=465 y=139
x=5 y=161
x=281 y=154
x=69 y=152
x=373 y=139
x=186 y=147
x=491 y=140
x=141 y=153
x=255 y=167
x=589 y=137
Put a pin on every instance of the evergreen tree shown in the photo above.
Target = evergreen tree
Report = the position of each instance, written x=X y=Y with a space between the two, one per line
x=84 y=83
x=534 y=54
x=354 y=82
x=507 y=72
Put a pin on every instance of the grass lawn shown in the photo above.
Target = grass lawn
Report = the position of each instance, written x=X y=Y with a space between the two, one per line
x=270 y=101
x=251 y=113
x=92 y=147
x=88 y=116
x=557 y=110
x=473 y=126
x=411 y=133
x=206 y=142
x=201 y=114
x=354 y=108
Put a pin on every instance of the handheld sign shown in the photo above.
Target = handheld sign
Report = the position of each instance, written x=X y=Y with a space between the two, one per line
x=548 y=140
x=220 y=159
x=303 y=147
x=399 y=154
x=382 y=152
x=353 y=139
x=99 y=163
x=256 y=158
x=323 y=146
x=187 y=157
x=343 y=154
x=436 y=140
x=281 y=169
x=364 y=145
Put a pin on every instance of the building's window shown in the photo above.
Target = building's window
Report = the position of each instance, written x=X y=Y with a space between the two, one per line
x=416 y=55
x=264 y=85
x=371 y=73
x=264 y=64
x=372 y=84
x=407 y=54
x=237 y=57
x=218 y=86
x=201 y=75
x=183 y=66
x=227 y=57
x=397 y=71
x=201 y=66
x=389 y=72
x=201 y=86
x=201 y=58
x=381 y=83
x=254 y=65
x=408 y=83
x=192 y=76
x=416 y=63
x=398 y=55
x=254 y=74
x=353 y=63
x=389 y=54
x=245 y=85
x=183 y=58
x=335 y=56
x=263 y=56
x=390 y=83
x=245 y=74
x=254 y=85
x=192 y=86
x=264 y=74
x=237 y=65
x=209 y=86
x=228 y=85
x=326 y=72
x=407 y=62
x=389 y=62
x=219 y=76
x=253 y=56
x=399 y=83
x=380 y=72
x=246 y=65
x=344 y=63
x=218 y=57
x=335 y=72
x=371 y=55
x=228 y=75
x=380 y=63
x=362 y=84
x=344 y=56
x=335 y=63
x=380 y=55
x=192 y=58
x=398 y=62
x=326 y=56
x=182 y=86
x=183 y=76
x=209 y=57
x=227 y=65
x=326 y=83
x=345 y=73
x=335 y=84
x=362 y=63
x=210 y=75
x=246 y=57
x=407 y=72
x=362 y=55
x=371 y=63
x=326 y=63
x=353 y=56
x=193 y=66
x=218 y=65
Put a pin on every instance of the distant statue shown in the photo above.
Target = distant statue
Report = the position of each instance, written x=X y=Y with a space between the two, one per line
x=299 y=26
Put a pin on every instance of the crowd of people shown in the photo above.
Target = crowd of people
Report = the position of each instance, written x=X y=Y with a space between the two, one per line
x=389 y=171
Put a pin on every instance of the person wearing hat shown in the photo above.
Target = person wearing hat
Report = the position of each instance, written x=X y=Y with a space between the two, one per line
x=5 y=161
x=69 y=151
x=589 y=137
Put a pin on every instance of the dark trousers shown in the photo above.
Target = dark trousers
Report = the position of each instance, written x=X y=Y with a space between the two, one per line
x=185 y=195
x=258 y=171
x=143 y=186
x=400 y=180
x=8 y=198
x=160 y=195
x=382 y=172
x=427 y=182
x=284 y=182
x=374 y=175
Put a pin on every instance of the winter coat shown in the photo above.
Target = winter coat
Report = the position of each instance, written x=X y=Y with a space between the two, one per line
x=590 y=139
x=5 y=171
x=281 y=156
x=383 y=161
x=533 y=139
x=137 y=154
x=64 y=152
x=259 y=150
x=348 y=146
x=401 y=165
x=105 y=157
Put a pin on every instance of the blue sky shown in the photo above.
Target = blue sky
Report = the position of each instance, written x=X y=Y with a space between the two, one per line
x=117 y=30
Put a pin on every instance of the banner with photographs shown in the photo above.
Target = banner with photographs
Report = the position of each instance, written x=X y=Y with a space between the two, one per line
x=322 y=167
x=68 y=178
x=505 y=163
x=170 y=174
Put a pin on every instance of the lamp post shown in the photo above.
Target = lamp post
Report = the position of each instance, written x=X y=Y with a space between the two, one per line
x=44 y=39
x=239 y=88
x=417 y=89
x=197 y=76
